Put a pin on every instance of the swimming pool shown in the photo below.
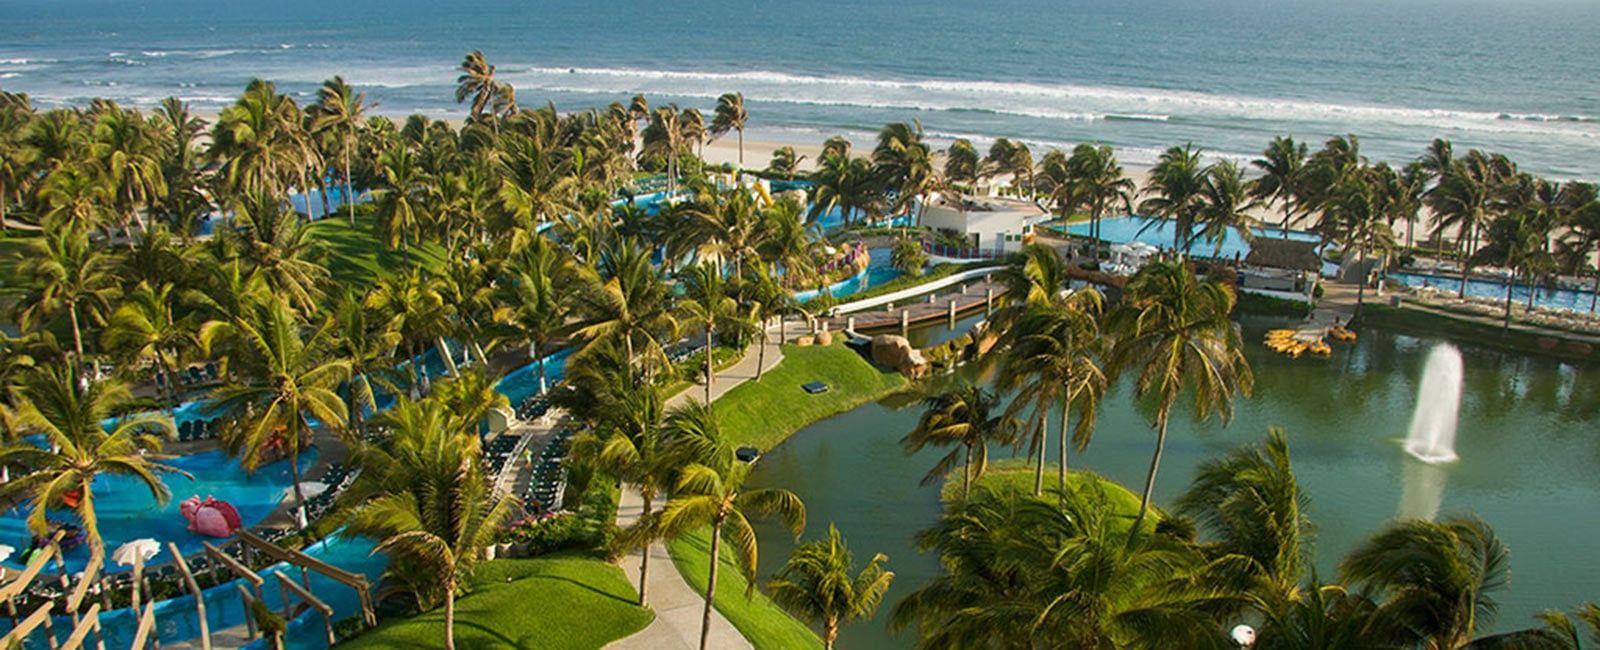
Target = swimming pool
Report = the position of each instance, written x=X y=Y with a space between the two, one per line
x=880 y=269
x=1576 y=300
x=522 y=383
x=127 y=511
x=1121 y=230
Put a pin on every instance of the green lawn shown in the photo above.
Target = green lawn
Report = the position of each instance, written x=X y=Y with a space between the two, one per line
x=357 y=254
x=763 y=623
x=554 y=602
x=1016 y=474
x=763 y=413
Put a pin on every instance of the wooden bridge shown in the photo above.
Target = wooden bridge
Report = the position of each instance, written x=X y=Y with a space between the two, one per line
x=947 y=305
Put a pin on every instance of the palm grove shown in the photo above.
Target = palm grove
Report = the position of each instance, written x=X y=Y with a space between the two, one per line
x=499 y=240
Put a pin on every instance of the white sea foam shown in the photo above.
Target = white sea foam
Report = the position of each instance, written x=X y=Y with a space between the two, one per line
x=8 y=75
x=1044 y=101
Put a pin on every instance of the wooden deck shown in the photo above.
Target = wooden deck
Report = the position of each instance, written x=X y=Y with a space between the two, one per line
x=957 y=300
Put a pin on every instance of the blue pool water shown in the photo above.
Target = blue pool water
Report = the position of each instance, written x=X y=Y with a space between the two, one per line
x=127 y=511
x=176 y=619
x=522 y=383
x=879 y=270
x=1121 y=230
x=1496 y=290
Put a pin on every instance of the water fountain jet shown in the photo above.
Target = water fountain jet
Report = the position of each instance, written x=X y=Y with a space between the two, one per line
x=1432 y=436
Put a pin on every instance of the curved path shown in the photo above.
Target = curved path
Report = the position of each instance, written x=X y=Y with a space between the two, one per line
x=679 y=608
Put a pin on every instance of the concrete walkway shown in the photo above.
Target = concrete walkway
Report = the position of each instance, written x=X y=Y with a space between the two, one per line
x=679 y=608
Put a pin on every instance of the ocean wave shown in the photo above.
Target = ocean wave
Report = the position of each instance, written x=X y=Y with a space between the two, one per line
x=1539 y=117
x=1065 y=101
x=9 y=75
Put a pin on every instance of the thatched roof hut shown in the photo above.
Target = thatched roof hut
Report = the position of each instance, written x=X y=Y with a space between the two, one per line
x=1284 y=254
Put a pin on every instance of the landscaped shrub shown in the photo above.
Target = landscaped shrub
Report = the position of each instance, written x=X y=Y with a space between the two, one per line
x=549 y=533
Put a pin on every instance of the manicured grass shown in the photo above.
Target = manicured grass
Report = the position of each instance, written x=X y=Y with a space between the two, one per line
x=1016 y=475
x=763 y=623
x=763 y=413
x=358 y=256
x=554 y=602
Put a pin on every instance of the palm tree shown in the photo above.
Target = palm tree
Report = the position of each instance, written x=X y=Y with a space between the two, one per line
x=1096 y=181
x=340 y=108
x=147 y=326
x=17 y=156
x=1283 y=170
x=665 y=137
x=1053 y=354
x=1020 y=572
x=624 y=299
x=127 y=152
x=259 y=141
x=279 y=246
x=1465 y=199
x=816 y=585
x=1252 y=505
x=961 y=163
x=1436 y=579
x=286 y=378
x=73 y=277
x=905 y=163
x=477 y=81
x=438 y=513
x=731 y=115
x=361 y=340
x=75 y=199
x=785 y=161
x=69 y=411
x=1354 y=212
x=1177 y=183
x=1225 y=206
x=706 y=305
x=413 y=306
x=401 y=203
x=769 y=300
x=848 y=185
x=713 y=493
x=1517 y=241
x=966 y=417
x=1173 y=332
x=535 y=303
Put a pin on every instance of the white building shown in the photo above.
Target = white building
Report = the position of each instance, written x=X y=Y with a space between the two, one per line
x=990 y=223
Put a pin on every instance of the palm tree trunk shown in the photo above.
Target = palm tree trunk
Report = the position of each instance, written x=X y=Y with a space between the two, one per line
x=830 y=632
x=543 y=381
x=711 y=584
x=294 y=475
x=3 y=225
x=741 y=148
x=1061 y=471
x=1506 y=327
x=1040 y=439
x=1361 y=289
x=710 y=374
x=1594 y=296
x=449 y=361
x=450 y=614
x=644 y=557
x=966 y=475
x=1150 y=478
x=761 y=351
x=349 y=192
x=77 y=332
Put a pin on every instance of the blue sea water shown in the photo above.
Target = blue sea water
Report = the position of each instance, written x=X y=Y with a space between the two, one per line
x=1227 y=75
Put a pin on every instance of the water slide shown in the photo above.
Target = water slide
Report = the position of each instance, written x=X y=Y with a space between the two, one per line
x=761 y=189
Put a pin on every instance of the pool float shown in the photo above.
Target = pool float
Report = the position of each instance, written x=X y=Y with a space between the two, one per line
x=211 y=517
x=1342 y=334
x=1319 y=349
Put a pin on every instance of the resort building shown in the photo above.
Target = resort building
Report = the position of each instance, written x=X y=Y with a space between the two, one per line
x=1281 y=266
x=992 y=224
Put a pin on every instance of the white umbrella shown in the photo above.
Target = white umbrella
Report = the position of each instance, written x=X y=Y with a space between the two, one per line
x=6 y=551
x=143 y=549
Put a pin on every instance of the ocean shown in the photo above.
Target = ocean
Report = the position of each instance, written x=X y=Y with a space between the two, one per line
x=1227 y=75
